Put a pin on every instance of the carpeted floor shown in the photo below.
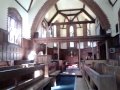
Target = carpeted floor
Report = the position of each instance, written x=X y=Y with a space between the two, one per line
x=65 y=83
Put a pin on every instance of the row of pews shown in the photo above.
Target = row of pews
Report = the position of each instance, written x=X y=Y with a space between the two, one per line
x=99 y=77
x=28 y=76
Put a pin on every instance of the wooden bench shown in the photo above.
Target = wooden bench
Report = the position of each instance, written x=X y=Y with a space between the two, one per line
x=54 y=74
x=15 y=74
x=40 y=84
x=101 y=81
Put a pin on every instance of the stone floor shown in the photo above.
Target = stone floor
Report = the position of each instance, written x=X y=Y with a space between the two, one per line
x=80 y=84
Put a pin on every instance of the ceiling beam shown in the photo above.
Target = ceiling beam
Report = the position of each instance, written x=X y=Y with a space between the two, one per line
x=77 y=14
x=88 y=14
x=45 y=20
x=71 y=39
x=71 y=14
x=64 y=16
x=21 y=5
x=84 y=6
x=70 y=10
x=30 y=5
x=52 y=18
x=68 y=23
x=56 y=7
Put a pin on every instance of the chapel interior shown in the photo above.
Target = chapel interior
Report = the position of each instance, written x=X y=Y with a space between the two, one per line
x=59 y=44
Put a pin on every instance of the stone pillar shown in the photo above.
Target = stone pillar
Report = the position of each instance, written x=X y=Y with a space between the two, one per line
x=107 y=51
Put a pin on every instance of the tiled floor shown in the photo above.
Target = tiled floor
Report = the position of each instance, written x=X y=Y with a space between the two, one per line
x=80 y=84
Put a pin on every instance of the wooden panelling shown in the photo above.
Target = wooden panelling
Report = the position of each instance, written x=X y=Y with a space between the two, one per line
x=10 y=51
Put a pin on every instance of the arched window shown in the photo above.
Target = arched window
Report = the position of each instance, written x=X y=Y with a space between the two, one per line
x=55 y=31
x=71 y=44
x=71 y=31
x=14 y=26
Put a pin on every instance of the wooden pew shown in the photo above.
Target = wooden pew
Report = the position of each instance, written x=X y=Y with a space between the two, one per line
x=16 y=74
x=100 y=81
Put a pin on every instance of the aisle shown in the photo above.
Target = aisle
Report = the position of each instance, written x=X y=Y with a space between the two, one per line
x=80 y=84
x=71 y=79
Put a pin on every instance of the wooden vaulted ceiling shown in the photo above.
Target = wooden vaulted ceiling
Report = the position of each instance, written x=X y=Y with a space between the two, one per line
x=69 y=12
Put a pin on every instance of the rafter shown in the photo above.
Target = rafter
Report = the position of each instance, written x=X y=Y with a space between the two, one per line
x=88 y=14
x=64 y=15
x=56 y=7
x=77 y=14
x=27 y=10
x=21 y=5
x=68 y=23
x=84 y=6
x=52 y=18
x=45 y=20
x=30 y=5
x=70 y=10
x=71 y=14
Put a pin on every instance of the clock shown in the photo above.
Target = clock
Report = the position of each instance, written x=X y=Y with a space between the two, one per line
x=112 y=2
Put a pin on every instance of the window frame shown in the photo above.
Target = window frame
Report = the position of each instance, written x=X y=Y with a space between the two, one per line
x=13 y=14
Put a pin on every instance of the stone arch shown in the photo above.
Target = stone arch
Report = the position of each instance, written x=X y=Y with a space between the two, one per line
x=90 y=3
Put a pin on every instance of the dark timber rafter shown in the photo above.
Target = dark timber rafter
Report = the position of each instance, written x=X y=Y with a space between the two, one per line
x=80 y=10
x=52 y=18
x=71 y=14
x=30 y=5
x=77 y=14
x=88 y=14
x=84 y=6
x=71 y=10
x=56 y=7
x=27 y=10
x=64 y=15
x=68 y=23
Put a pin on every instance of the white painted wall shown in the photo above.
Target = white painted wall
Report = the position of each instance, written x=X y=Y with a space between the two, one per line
x=79 y=31
x=115 y=11
x=27 y=18
x=63 y=32
x=63 y=45
x=92 y=29
x=111 y=12
x=34 y=10
x=50 y=45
